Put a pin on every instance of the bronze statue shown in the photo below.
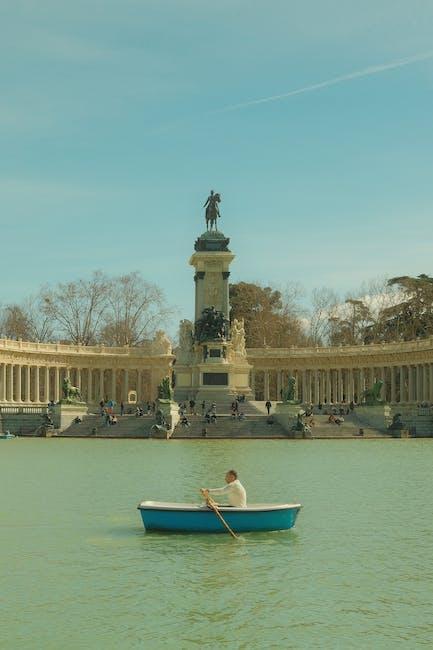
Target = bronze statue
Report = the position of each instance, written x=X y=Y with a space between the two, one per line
x=71 y=393
x=289 y=392
x=212 y=210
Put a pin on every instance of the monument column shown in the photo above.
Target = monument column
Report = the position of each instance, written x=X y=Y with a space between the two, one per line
x=47 y=384
x=226 y=303
x=79 y=379
x=113 y=384
x=361 y=384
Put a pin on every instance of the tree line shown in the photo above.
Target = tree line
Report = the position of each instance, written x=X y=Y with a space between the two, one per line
x=101 y=310
x=127 y=310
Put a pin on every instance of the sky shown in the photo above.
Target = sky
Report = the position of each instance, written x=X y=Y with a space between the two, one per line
x=312 y=119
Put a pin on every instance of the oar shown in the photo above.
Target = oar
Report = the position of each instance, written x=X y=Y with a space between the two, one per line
x=213 y=506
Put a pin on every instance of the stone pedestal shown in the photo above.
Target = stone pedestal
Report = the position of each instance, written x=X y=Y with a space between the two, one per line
x=170 y=411
x=64 y=414
x=286 y=415
x=211 y=368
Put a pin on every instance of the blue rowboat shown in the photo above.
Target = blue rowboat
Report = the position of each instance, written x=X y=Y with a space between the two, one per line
x=191 y=518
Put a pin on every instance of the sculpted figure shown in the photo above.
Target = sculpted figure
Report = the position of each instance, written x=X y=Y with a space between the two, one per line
x=70 y=392
x=161 y=344
x=372 y=395
x=212 y=210
x=238 y=336
x=186 y=339
x=165 y=390
x=289 y=392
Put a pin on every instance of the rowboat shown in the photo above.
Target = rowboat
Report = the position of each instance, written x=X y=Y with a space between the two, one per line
x=192 y=518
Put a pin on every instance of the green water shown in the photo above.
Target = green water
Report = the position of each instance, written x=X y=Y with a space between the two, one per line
x=78 y=571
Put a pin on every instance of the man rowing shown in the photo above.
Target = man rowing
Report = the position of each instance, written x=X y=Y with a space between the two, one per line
x=234 y=490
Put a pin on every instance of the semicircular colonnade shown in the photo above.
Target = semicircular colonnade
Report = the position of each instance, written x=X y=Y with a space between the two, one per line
x=32 y=373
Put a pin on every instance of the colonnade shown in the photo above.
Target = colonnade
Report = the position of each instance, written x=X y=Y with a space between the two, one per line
x=39 y=384
x=402 y=383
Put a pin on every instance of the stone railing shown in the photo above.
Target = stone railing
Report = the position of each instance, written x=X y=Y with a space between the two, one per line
x=154 y=347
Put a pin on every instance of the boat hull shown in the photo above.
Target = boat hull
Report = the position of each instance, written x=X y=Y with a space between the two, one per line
x=200 y=519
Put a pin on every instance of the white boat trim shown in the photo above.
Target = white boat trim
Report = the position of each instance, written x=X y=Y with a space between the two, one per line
x=253 y=507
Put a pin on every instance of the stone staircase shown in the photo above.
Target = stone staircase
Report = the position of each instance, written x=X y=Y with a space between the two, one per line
x=253 y=426
x=128 y=426
x=348 y=429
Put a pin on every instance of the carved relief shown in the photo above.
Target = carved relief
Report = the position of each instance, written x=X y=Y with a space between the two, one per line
x=185 y=351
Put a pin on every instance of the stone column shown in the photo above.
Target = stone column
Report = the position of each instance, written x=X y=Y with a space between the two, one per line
x=101 y=384
x=225 y=300
x=279 y=386
x=316 y=387
x=304 y=387
x=339 y=385
x=47 y=384
x=27 y=383
x=125 y=385
x=113 y=384
x=253 y=383
x=18 y=384
x=393 y=395
x=37 y=388
x=328 y=386
x=430 y=368
x=361 y=384
x=266 y=385
x=89 y=385
x=425 y=383
x=402 y=390
x=410 y=383
x=10 y=383
x=56 y=384
x=418 y=392
x=199 y=294
x=3 y=383
x=139 y=397
x=79 y=379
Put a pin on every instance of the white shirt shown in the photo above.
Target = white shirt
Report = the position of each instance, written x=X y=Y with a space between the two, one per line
x=235 y=492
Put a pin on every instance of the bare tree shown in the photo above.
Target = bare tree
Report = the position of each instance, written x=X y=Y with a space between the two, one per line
x=78 y=308
x=136 y=309
x=324 y=308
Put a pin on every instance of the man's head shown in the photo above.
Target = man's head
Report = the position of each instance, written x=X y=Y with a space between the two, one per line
x=231 y=476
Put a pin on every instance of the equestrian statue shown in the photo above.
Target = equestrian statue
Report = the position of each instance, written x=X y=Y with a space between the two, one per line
x=212 y=210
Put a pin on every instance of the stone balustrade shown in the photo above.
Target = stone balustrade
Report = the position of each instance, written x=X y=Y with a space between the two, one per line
x=33 y=373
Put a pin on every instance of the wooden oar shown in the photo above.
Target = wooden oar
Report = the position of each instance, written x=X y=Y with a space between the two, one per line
x=213 y=506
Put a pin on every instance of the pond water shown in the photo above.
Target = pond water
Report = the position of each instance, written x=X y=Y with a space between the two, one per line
x=78 y=570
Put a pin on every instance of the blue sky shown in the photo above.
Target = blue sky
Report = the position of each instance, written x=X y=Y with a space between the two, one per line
x=113 y=129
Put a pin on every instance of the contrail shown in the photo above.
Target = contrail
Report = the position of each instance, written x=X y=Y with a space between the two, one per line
x=366 y=72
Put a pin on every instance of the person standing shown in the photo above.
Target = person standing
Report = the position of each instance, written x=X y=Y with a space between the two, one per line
x=122 y=408
x=268 y=406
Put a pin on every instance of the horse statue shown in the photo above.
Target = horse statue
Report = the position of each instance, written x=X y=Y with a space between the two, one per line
x=70 y=392
x=372 y=395
x=212 y=210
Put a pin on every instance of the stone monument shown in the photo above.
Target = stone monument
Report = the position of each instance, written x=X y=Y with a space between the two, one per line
x=211 y=358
